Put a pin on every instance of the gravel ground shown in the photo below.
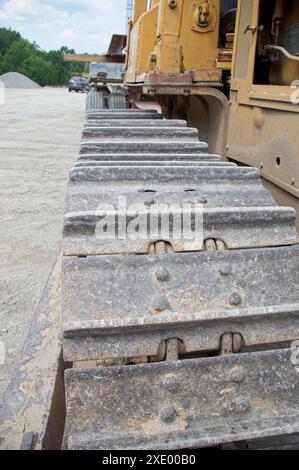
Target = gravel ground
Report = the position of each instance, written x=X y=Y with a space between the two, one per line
x=40 y=135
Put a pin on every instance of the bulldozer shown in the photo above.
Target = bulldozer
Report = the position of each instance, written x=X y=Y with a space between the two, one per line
x=149 y=336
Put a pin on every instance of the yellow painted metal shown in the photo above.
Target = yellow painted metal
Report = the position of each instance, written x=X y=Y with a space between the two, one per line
x=263 y=118
x=140 y=7
x=142 y=40
x=88 y=58
x=168 y=38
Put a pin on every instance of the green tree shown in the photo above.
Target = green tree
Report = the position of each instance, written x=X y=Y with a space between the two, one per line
x=46 y=68
x=38 y=70
x=60 y=69
x=7 y=37
x=19 y=52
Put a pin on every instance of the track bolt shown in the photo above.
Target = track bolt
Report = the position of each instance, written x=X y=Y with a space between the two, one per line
x=243 y=405
x=235 y=299
x=172 y=384
x=225 y=269
x=238 y=376
x=160 y=303
x=168 y=415
x=162 y=274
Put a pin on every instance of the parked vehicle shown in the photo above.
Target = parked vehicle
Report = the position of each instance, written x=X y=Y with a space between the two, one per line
x=78 y=84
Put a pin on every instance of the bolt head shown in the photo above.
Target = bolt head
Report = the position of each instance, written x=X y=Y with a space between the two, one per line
x=225 y=269
x=243 y=405
x=235 y=299
x=238 y=376
x=168 y=415
x=172 y=384
x=160 y=303
x=162 y=274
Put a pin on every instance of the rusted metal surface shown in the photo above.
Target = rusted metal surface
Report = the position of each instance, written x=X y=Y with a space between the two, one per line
x=253 y=292
x=200 y=77
x=156 y=78
x=183 y=404
x=212 y=76
x=90 y=58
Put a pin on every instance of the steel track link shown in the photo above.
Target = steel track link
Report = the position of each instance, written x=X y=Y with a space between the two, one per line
x=135 y=311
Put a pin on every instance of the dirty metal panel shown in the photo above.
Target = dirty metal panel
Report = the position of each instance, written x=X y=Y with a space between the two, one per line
x=140 y=133
x=157 y=78
x=202 y=331
x=154 y=157
x=139 y=146
x=128 y=163
x=211 y=186
x=92 y=198
x=183 y=404
x=193 y=296
x=236 y=227
x=127 y=114
x=191 y=177
x=136 y=123
x=214 y=76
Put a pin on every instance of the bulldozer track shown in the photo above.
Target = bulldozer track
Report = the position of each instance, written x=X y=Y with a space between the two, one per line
x=189 y=340
x=108 y=97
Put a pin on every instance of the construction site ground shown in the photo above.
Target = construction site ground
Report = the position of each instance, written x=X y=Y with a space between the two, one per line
x=40 y=134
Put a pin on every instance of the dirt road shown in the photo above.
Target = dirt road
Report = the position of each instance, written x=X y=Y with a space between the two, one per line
x=40 y=134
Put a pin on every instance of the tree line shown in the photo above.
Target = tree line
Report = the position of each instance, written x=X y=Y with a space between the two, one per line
x=45 y=68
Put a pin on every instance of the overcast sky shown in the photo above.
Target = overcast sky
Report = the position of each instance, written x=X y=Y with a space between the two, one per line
x=84 y=25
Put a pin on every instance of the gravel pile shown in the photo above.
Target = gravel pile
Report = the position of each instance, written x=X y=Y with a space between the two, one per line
x=17 y=80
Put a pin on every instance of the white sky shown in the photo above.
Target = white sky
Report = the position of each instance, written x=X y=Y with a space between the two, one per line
x=84 y=25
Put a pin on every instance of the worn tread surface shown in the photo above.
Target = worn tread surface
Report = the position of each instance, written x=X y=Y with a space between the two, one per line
x=123 y=299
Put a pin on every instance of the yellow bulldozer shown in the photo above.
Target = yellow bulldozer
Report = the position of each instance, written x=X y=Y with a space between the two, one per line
x=150 y=336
